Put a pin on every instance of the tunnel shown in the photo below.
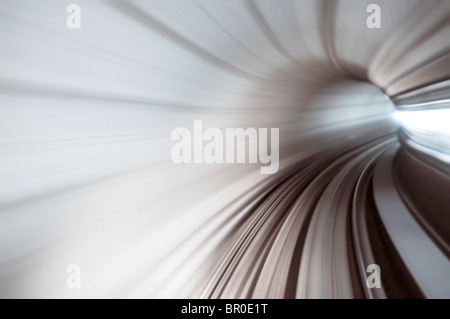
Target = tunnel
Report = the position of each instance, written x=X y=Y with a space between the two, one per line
x=358 y=92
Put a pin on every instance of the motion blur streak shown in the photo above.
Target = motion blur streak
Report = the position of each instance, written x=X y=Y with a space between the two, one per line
x=86 y=176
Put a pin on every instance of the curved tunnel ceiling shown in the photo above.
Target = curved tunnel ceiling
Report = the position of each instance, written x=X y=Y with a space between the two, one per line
x=86 y=175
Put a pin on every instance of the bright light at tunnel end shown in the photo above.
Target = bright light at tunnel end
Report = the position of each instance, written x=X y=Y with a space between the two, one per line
x=430 y=121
